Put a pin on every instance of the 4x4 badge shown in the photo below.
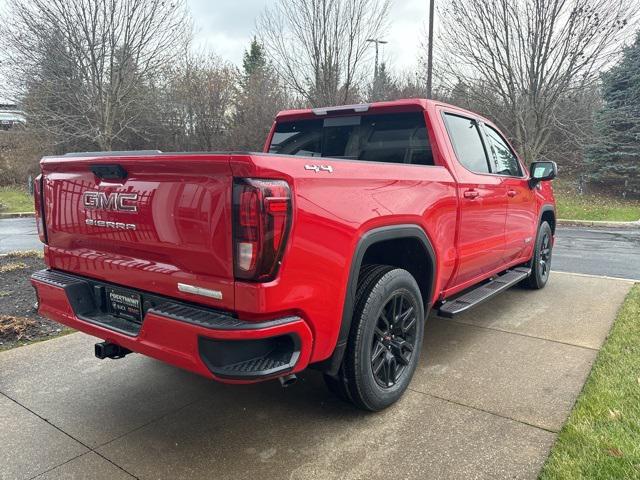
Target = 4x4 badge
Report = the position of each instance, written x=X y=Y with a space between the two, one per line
x=319 y=168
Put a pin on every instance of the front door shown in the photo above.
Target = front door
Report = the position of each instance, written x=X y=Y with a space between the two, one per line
x=521 y=221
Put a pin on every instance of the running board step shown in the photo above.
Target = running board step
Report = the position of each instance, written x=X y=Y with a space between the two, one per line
x=483 y=292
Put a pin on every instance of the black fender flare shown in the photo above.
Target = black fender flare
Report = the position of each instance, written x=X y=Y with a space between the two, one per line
x=547 y=207
x=369 y=238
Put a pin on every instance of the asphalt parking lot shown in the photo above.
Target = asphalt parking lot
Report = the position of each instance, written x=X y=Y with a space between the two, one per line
x=493 y=389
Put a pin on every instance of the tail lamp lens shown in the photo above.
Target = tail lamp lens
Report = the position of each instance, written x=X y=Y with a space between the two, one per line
x=262 y=218
x=39 y=207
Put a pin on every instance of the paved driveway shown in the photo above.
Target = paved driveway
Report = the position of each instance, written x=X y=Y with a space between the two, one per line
x=491 y=392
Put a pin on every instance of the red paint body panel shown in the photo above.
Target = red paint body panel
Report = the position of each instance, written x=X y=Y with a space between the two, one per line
x=184 y=232
x=183 y=224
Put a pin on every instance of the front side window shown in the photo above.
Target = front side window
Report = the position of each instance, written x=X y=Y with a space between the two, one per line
x=465 y=137
x=394 y=138
x=503 y=160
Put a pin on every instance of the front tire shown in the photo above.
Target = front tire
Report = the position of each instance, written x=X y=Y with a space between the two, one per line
x=385 y=339
x=541 y=261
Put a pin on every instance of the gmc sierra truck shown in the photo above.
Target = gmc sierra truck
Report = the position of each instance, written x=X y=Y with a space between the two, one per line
x=327 y=250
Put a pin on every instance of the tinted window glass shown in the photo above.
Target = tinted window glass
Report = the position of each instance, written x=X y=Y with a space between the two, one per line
x=396 y=138
x=503 y=161
x=465 y=136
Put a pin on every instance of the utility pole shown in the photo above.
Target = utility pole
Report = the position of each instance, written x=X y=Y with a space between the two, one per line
x=377 y=42
x=430 y=52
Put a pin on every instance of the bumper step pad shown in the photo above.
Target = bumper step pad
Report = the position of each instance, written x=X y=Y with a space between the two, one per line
x=256 y=365
x=211 y=319
x=483 y=293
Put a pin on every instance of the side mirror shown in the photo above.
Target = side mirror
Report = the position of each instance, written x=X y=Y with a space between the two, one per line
x=542 y=171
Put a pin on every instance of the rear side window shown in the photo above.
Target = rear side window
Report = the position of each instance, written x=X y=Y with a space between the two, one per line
x=465 y=137
x=503 y=160
x=394 y=138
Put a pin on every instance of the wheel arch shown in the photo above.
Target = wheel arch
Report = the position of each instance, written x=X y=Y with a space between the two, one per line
x=375 y=246
x=548 y=214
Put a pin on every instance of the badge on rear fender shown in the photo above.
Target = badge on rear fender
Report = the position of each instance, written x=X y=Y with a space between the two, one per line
x=319 y=168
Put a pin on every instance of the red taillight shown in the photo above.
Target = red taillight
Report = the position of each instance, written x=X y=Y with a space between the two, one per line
x=39 y=206
x=261 y=221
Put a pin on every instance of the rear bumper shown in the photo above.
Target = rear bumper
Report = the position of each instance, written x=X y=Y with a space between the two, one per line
x=211 y=343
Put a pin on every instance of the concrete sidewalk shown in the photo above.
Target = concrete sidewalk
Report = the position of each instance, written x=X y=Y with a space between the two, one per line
x=493 y=388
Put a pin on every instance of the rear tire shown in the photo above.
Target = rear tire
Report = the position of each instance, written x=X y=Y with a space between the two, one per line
x=384 y=344
x=541 y=261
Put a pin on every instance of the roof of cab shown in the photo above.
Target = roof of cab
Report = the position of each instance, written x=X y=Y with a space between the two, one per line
x=382 y=107
x=395 y=106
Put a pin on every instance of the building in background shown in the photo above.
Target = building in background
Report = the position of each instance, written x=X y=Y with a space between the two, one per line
x=10 y=115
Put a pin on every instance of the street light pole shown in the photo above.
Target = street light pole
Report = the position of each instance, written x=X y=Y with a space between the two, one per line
x=430 y=52
x=377 y=42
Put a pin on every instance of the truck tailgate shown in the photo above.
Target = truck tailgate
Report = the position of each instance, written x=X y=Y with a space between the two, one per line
x=158 y=223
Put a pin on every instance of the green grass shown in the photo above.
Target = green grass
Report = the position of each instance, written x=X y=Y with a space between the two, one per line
x=15 y=200
x=601 y=439
x=572 y=206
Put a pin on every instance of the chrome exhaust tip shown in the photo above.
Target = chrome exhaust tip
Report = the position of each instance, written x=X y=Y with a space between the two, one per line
x=288 y=380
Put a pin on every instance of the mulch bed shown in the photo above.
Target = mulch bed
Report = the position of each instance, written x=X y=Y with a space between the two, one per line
x=19 y=322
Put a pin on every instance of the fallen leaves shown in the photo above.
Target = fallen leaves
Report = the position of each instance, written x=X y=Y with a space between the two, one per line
x=12 y=267
x=16 y=328
x=26 y=254
x=615 y=452
x=614 y=414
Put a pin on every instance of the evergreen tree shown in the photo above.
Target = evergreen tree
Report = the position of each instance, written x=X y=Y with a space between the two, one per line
x=254 y=59
x=383 y=86
x=258 y=98
x=615 y=156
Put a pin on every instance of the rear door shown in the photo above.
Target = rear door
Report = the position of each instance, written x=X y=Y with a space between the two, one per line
x=521 y=206
x=483 y=202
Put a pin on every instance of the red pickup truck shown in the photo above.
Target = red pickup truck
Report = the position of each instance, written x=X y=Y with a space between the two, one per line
x=327 y=250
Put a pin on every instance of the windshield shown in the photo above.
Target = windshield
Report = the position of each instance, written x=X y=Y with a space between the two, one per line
x=395 y=138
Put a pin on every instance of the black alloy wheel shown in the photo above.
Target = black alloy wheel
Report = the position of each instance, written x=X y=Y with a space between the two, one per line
x=544 y=257
x=394 y=340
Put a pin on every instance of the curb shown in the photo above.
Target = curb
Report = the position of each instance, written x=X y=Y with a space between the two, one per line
x=17 y=215
x=597 y=223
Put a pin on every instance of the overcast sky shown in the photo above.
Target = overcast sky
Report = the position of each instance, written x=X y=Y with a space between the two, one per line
x=226 y=26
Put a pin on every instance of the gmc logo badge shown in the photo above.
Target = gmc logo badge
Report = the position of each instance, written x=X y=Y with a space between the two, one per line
x=118 y=202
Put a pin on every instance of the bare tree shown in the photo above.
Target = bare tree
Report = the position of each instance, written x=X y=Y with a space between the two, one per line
x=529 y=55
x=196 y=103
x=81 y=63
x=319 y=46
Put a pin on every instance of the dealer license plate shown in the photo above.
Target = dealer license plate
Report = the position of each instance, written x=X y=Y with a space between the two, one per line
x=125 y=304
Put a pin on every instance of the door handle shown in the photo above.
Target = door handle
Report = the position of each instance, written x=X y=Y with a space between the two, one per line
x=512 y=193
x=471 y=194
